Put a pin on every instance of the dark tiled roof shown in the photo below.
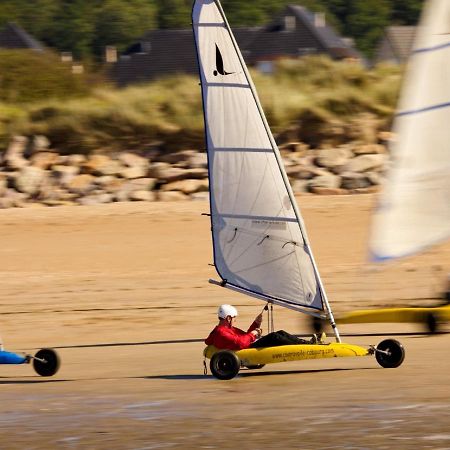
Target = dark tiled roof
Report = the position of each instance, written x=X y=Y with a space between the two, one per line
x=166 y=52
x=13 y=36
x=396 y=44
x=159 y=53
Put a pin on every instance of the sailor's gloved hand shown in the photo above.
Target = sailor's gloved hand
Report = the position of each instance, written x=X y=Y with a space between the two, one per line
x=257 y=333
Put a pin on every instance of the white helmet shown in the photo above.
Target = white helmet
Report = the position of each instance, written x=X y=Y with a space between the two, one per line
x=227 y=310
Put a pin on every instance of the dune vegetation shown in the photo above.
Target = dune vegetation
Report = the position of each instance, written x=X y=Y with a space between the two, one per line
x=89 y=115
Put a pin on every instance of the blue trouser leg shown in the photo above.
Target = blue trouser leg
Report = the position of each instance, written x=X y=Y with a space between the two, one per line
x=11 y=358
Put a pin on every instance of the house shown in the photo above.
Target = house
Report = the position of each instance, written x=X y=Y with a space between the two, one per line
x=294 y=33
x=14 y=37
x=396 y=45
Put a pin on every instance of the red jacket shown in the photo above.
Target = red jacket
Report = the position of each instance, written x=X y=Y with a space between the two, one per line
x=225 y=336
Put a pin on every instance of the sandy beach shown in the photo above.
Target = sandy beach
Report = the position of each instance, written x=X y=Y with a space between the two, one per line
x=121 y=291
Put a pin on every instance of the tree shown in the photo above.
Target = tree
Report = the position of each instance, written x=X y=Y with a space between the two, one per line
x=366 y=22
x=119 y=23
x=174 y=13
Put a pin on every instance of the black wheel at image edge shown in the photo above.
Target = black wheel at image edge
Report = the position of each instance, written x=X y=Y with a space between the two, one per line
x=225 y=365
x=395 y=356
x=47 y=362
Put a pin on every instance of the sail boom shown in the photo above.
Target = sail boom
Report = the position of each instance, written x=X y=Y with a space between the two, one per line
x=276 y=301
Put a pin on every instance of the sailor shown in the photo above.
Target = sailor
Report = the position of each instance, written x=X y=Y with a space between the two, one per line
x=226 y=336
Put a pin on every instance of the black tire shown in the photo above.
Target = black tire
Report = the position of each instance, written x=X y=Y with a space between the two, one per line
x=395 y=356
x=47 y=362
x=432 y=323
x=225 y=365
x=256 y=366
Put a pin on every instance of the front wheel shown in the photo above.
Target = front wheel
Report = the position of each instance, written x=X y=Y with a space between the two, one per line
x=389 y=353
x=46 y=362
x=225 y=365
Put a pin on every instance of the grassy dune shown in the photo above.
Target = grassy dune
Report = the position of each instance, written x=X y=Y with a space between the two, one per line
x=313 y=91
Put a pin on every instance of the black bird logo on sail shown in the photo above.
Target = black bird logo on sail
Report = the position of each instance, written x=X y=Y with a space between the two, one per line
x=219 y=64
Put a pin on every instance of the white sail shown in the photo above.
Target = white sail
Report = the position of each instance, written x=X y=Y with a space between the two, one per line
x=260 y=247
x=414 y=212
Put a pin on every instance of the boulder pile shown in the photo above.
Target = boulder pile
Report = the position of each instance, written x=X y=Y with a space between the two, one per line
x=32 y=174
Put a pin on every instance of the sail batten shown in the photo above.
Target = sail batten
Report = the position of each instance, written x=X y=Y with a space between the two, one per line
x=255 y=217
x=259 y=242
x=424 y=109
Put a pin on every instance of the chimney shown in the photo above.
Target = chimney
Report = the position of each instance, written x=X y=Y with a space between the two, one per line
x=289 y=23
x=319 y=19
x=110 y=54
x=66 y=57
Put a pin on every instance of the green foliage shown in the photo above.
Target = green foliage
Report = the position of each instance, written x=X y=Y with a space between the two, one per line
x=174 y=13
x=312 y=91
x=29 y=76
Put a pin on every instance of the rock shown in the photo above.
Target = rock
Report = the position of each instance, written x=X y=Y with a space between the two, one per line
x=386 y=136
x=81 y=184
x=333 y=157
x=367 y=190
x=3 y=185
x=40 y=144
x=6 y=202
x=351 y=180
x=30 y=179
x=364 y=163
x=187 y=186
x=132 y=160
x=325 y=181
x=110 y=184
x=146 y=196
x=75 y=160
x=102 y=165
x=171 y=196
x=200 y=196
x=375 y=178
x=44 y=160
x=134 y=172
x=14 y=155
x=146 y=184
x=170 y=174
x=328 y=191
x=364 y=128
x=64 y=174
x=369 y=149
x=157 y=170
x=299 y=186
x=15 y=198
x=95 y=199
x=301 y=172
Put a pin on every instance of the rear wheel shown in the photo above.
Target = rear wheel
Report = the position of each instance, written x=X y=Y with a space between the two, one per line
x=225 y=365
x=389 y=353
x=46 y=362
